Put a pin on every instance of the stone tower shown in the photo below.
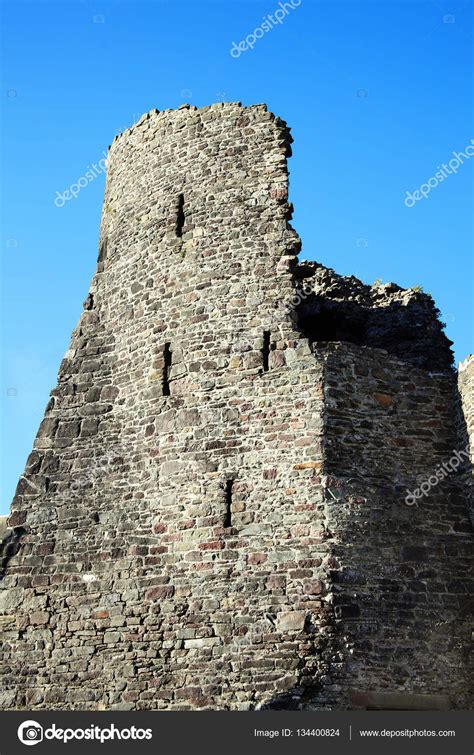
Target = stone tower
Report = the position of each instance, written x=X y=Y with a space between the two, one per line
x=216 y=512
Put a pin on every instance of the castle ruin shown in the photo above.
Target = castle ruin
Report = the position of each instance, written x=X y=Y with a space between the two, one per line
x=216 y=511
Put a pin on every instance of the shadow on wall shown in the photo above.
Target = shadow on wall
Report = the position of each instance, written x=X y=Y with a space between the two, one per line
x=400 y=626
x=301 y=699
x=9 y=543
x=298 y=698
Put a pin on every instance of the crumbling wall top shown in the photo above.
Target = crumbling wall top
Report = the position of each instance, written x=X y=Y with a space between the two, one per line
x=404 y=322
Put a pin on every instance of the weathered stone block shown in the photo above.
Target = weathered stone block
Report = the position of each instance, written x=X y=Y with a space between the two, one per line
x=291 y=621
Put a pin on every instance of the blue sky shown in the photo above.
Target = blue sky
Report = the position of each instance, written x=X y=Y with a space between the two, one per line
x=378 y=95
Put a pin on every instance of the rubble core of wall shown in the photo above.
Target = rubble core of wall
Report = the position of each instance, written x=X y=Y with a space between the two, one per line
x=403 y=322
x=466 y=391
x=213 y=512
x=465 y=419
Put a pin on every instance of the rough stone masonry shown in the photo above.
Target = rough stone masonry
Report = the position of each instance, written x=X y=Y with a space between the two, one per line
x=213 y=514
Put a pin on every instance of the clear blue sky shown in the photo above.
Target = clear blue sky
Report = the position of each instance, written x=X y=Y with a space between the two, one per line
x=377 y=95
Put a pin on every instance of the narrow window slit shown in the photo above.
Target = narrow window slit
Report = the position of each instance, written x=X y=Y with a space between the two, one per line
x=266 y=350
x=228 y=503
x=89 y=302
x=167 y=359
x=180 y=218
x=102 y=251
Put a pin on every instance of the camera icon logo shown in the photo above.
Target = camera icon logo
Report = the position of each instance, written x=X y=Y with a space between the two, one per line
x=30 y=733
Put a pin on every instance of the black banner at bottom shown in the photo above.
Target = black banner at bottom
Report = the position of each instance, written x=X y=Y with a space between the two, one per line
x=224 y=733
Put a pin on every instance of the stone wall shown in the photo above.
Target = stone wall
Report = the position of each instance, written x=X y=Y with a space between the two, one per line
x=403 y=564
x=213 y=514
